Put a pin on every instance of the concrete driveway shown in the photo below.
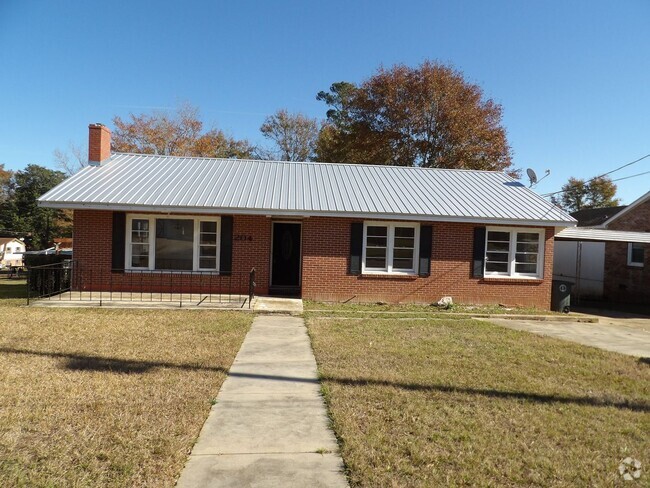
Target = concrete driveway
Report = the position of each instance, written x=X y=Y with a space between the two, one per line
x=618 y=332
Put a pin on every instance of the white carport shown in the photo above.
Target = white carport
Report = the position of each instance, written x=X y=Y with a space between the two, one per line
x=579 y=257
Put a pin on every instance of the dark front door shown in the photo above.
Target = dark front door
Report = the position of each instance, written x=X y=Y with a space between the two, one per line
x=285 y=259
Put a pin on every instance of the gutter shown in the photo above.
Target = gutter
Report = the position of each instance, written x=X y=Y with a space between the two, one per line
x=302 y=214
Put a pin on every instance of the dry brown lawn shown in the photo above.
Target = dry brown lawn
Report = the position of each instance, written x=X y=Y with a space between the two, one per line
x=414 y=309
x=467 y=403
x=95 y=397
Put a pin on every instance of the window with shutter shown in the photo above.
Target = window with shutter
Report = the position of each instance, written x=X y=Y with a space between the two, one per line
x=390 y=248
x=174 y=244
x=514 y=252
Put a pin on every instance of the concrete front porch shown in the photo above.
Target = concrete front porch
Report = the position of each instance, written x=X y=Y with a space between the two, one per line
x=191 y=301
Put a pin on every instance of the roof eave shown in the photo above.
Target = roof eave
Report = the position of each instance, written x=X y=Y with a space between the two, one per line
x=303 y=213
x=592 y=234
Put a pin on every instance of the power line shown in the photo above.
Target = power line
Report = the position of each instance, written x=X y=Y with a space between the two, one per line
x=621 y=167
x=608 y=173
x=632 y=176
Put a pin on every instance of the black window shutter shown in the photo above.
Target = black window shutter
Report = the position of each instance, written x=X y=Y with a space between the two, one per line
x=426 y=234
x=225 y=253
x=119 y=241
x=356 y=247
x=479 y=252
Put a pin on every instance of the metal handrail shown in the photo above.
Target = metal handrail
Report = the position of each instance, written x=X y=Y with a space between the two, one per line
x=251 y=287
x=71 y=281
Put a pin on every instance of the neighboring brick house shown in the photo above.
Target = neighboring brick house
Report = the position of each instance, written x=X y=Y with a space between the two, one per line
x=607 y=255
x=627 y=264
x=321 y=231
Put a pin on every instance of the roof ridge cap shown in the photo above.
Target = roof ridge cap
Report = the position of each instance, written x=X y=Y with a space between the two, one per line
x=324 y=163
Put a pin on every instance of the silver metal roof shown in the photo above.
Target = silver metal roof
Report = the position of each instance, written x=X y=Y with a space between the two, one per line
x=136 y=182
x=592 y=234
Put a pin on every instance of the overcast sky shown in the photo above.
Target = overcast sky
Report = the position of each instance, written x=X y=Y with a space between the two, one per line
x=573 y=76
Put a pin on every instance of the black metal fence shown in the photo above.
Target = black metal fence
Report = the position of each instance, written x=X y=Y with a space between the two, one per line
x=49 y=280
x=69 y=281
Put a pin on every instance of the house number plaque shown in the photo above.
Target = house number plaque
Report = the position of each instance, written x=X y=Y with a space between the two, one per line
x=242 y=237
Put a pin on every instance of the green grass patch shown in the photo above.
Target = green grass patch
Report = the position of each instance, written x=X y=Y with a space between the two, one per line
x=12 y=289
x=468 y=403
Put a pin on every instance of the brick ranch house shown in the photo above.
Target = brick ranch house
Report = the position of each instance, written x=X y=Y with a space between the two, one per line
x=334 y=232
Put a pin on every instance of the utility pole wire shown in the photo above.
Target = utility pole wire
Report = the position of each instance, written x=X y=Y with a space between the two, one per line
x=608 y=173
x=632 y=176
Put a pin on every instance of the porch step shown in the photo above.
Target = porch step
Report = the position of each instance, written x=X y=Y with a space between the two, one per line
x=271 y=305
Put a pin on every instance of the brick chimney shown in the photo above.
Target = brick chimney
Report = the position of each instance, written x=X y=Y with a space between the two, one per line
x=99 y=144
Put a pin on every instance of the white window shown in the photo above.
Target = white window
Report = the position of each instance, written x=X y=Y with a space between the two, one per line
x=175 y=244
x=635 y=254
x=139 y=244
x=208 y=244
x=517 y=253
x=390 y=247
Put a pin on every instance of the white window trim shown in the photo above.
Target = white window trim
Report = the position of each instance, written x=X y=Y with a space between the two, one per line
x=390 y=248
x=629 y=256
x=152 y=241
x=511 y=274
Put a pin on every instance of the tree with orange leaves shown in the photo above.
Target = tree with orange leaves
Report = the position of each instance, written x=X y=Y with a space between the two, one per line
x=177 y=134
x=427 y=116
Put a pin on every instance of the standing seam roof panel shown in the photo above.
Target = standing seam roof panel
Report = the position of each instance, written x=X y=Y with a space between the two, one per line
x=118 y=185
x=182 y=186
x=482 y=202
x=149 y=181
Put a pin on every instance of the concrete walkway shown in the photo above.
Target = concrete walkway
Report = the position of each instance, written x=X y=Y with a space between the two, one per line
x=269 y=427
x=626 y=336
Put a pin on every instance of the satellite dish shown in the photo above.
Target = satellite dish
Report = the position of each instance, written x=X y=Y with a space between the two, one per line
x=531 y=176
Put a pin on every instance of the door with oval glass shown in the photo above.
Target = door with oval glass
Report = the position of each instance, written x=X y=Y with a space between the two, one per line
x=286 y=258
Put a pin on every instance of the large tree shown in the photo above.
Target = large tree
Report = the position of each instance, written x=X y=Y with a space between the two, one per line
x=180 y=133
x=579 y=194
x=426 y=116
x=5 y=178
x=21 y=213
x=294 y=135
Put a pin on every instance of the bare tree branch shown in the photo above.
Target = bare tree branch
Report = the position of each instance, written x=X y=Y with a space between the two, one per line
x=294 y=135
x=73 y=160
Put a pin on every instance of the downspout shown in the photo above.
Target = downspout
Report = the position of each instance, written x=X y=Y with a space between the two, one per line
x=578 y=270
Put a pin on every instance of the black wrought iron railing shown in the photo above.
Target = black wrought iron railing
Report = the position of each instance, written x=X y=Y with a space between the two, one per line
x=49 y=280
x=69 y=281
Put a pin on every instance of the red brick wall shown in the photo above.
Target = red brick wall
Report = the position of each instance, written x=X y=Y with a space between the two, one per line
x=257 y=253
x=92 y=236
x=636 y=220
x=625 y=283
x=326 y=247
x=93 y=256
x=326 y=259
